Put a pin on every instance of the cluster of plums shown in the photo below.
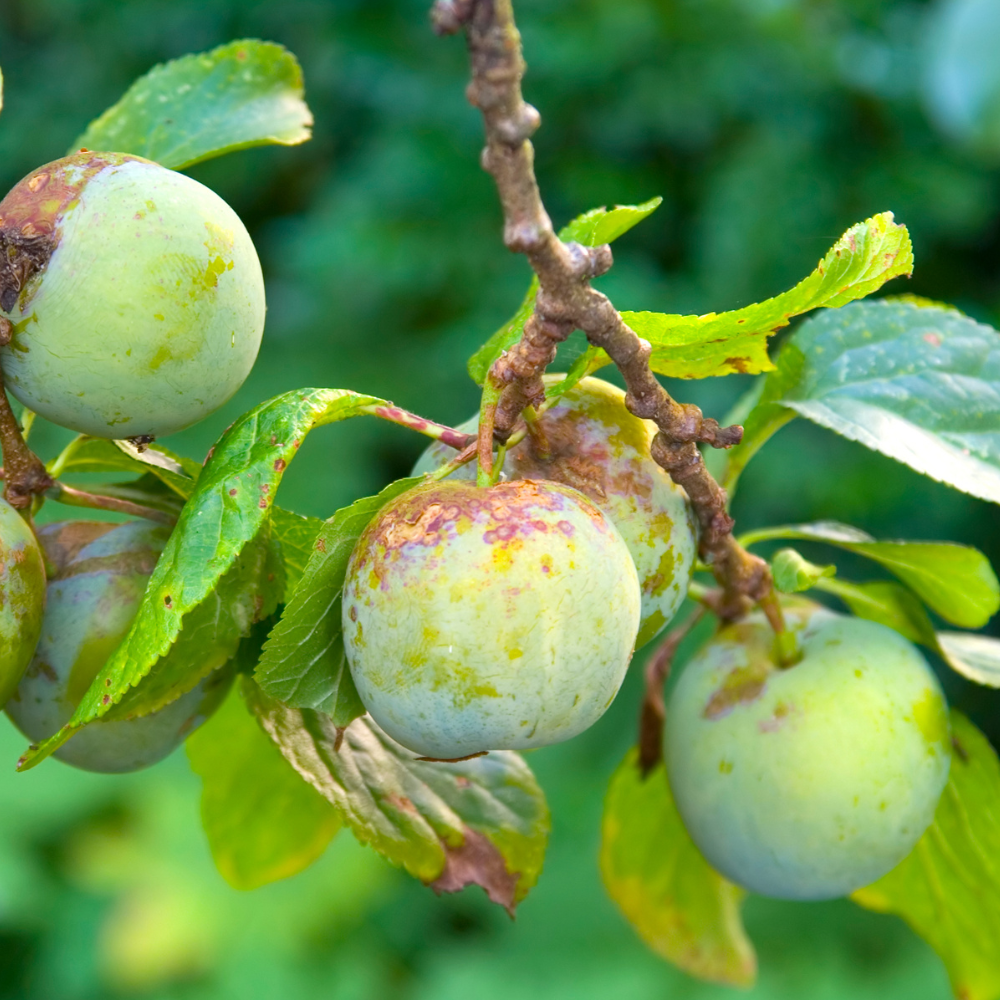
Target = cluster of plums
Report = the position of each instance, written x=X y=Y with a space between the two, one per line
x=474 y=619
x=134 y=307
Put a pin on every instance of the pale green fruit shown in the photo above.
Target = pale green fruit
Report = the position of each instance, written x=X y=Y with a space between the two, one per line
x=22 y=597
x=599 y=448
x=488 y=619
x=135 y=293
x=93 y=597
x=812 y=781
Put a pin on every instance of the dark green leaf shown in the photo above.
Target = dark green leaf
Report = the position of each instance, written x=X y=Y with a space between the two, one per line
x=303 y=663
x=482 y=821
x=263 y=822
x=956 y=581
x=974 y=656
x=231 y=503
x=888 y=604
x=592 y=229
x=147 y=490
x=920 y=384
x=246 y=93
x=793 y=574
x=681 y=907
x=948 y=889
x=861 y=261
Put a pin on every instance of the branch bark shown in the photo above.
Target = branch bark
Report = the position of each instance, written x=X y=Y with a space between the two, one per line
x=566 y=302
x=24 y=473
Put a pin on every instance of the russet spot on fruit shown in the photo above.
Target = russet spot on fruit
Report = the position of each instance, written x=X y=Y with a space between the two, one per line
x=22 y=597
x=486 y=619
x=596 y=446
x=812 y=781
x=93 y=597
x=135 y=294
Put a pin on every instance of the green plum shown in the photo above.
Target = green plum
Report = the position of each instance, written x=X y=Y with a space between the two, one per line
x=810 y=781
x=135 y=294
x=22 y=597
x=100 y=574
x=596 y=446
x=487 y=619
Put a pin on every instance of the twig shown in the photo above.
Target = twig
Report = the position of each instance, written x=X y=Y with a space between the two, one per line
x=653 y=713
x=24 y=473
x=566 y=301
x=72 y=497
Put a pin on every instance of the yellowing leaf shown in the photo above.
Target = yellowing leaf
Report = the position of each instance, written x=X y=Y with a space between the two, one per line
x=948 y=888
x=680 y=906
x=262 y=820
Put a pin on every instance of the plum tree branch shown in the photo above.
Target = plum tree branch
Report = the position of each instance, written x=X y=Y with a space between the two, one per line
x=566 y=301
x=24 y=472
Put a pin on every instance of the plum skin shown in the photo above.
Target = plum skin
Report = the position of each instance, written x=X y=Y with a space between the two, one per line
x=812 y=781
x=487 y=619
x=22 y=597
x=598 y=447
x=138 y=301
x=93 y=597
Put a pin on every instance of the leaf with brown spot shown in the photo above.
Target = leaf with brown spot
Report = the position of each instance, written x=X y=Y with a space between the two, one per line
x=478 y=822
x=212 y=530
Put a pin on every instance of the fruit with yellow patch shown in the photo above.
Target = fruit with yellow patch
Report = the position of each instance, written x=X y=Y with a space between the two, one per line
x=591 y=442
x=487 y=619
x=811 y=781
x=100 y=575
x=135 y=295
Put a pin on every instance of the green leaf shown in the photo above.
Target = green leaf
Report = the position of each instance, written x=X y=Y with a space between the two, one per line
x=793 y=574
x=888 y=604
x=974 y=656
x=956 y=581
x=246 y=93
x=604 y=225
x=948 y=888
x=920 y=384
x=88 y=454
x=211 y=633
x=861 y=261
x=263 y=822
x=303 y=663
x=592 y=229
x=680 y=906
x=482 y=821
x=231 y=503
x=296 y=534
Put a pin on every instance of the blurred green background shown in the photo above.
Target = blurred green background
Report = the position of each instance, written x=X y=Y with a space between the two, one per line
x=769 y=126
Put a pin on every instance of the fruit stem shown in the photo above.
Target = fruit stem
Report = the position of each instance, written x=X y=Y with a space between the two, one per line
x=430 y=428
x=537 y=433
x=785 y=647
x=24 y=473
x=653 y=714
x=64 y=494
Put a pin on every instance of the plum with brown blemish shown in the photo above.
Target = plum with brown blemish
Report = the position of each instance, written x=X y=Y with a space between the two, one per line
x=488 y=619
x=591 y=442
x=135 y=294
x=810 y=781
x=22 y=597
x=99 y=576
